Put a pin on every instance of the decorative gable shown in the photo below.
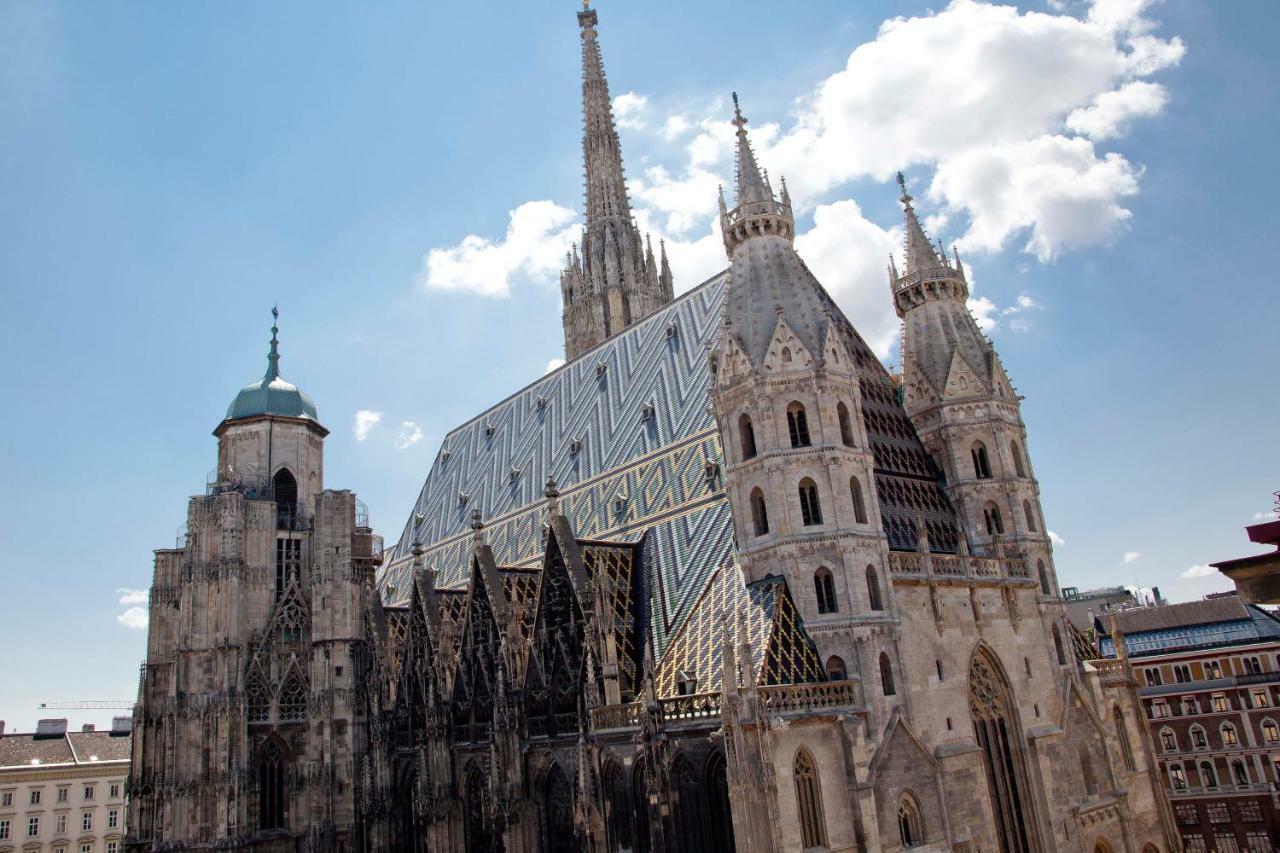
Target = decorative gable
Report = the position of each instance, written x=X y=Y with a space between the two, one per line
x=785 y=351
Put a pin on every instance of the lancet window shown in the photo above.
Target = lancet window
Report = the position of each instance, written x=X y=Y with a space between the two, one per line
x=813 y=829
x=910 y=826
x=886 y=675
x=746 y=437
x=825 y=589
x=798 y=425
x=873 y=589
x=292 y=700
x=846 y=424
x=759 y=512
x=996 y=728
x=859 y=504
x=810 y=509
x=981 y=462
x=1122 y=735
x=273 y=761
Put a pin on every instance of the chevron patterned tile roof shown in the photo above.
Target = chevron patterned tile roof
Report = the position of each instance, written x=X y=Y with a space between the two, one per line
x=627 y=432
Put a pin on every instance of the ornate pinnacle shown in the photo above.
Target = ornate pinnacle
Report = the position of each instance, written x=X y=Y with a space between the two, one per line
x=477 y=527
x=273 y=356
x=552 y=494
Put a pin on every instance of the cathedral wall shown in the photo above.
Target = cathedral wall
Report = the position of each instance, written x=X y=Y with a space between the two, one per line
x=825 y=743
x=253 y=451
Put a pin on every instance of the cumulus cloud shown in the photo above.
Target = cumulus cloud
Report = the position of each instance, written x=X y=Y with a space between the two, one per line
x=135 y=603
x=365 y=421
x=1132 y=556
x=554 y=364
x=984 y=311
x=1057 y=540
x=1199 y=571
x=1110 y=113
x=538 y=235
x=628 y=109
x=410 y=434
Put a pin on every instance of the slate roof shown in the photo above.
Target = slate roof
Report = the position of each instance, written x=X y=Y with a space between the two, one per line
x=1208 y=611
x=18 y=750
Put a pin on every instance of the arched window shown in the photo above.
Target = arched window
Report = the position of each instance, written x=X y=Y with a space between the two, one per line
x=1031 y=517
x=810 y=509
x=886 y=675
x=640 y=797
x=759 y=514
x=1018 y=465
x=688 y=807
x=1177 y=777
x=1229 y=735
x=1086 y=771
x=618 y=802
x=798 y=425
x=720 y=825
x=746 y=436
x=1168 y=740
x=813 y=826
x=859 y=505
x=1270 y=733
x=873 y=589
x=981 y=463
x=1198 y=738
x=1045 y=587
x=910 y=826
x=476 y=826
x=1058 y=647
x=557 y=813
x=1122 y=735
x=991 y=515
x=273 y=761
x=836 y=670
x=824 y=586
x=1239 y=772
x=284 y=489
x=846 y=426
x=1208 y=777
x=257 y=700
x=292 y=702
x=786 y=354
x=995 y=725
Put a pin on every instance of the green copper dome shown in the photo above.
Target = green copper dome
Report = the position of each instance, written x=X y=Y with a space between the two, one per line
x=273 y=394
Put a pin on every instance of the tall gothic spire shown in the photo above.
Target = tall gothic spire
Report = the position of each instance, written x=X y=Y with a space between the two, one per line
x=752 y=188
x=614 y=282
x=920 y=254
x=756 y=212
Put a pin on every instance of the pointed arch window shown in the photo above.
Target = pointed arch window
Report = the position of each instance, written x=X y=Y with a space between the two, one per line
x=1058 y=648
x=1045 y=586
x=846 y=424
x=981 y=462
x=1031 y=518
x=813 y=828
x=1168 y=740
x=824 y=587
x=759 y=513
x=557 y=812
x=836 y=669
x=996 y=726
x=1018 y=465
x=886 y=676
x=1122 y=735
x=1198 y=738
x=273 y=761
x=991 y=516
x=798 y=425
x=746 y=437
x=1239 y=772
x=873 y=589
x=257 y=701
x=810 y=509
x=1177 y=777
x=1208 y=776
x=859 y=504
x=292 y=702
x=618 y=803
x=910 y=826
x=720 y=825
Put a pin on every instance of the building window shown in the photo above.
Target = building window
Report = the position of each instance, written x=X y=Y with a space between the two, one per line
x=6 y=799
x=35 y=797
x=836 y=670
x=4 y=829
x=1252 y=666
x=1057 y=646
x=1018 y=464
x=910 y=827
x=1258 y=842
x=1189 y=706
x=759 y=514
x=798 y=426
x=1153 y=677
x=1159 y=709
x=824 y=586
x=981 y=463
x=63 y=794
x=86 y=821
x=1177 y=777
x=873 y=589
x=1045 y=587
x=272 y=794
x=33 y=827
x=1239 y=773
x=1261 y=699
x=1250 y=811
x=1182 y=673
x=113 y=847
x=86 y=848
x=60 y=825
x=810 y=509
x=1229 y=735
x=746 y=437
x=991 y=708
x=113 y=818
x=1031 y=519
x=813 y=828
x=115 y=787
x=1168 y=740
x=846 y=427
x=1218 y=812
x=1187 y=814
x=991 y=516
x=292 y=703
x=1209 y=779
x=1270 y=733
x=886 y=675
x=1194 y=844
x=1122 y=735
x=288 y=562
x=1219 y=701
x=1198 y=739
x=859 y=505
x=1212 y=669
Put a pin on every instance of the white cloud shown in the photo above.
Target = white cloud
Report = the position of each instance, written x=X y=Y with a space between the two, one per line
x=1057 y=540
x=674 y=127
x=131 y=596
x=410 y=434
x=365 y=421
x=539 y=234
x=1132 y=556
x=628 y=109
x=1199 y=572
x=1109 y=114
x=554 y=364
x=134 y=617
x=983 y=310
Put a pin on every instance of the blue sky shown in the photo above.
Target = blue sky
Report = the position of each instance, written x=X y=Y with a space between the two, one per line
x=170 y=171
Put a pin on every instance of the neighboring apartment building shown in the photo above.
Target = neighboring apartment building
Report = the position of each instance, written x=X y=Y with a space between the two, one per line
x=64 y=791
x=1209 y=677
x=1085 y=605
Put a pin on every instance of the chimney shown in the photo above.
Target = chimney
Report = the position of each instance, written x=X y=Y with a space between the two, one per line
x=121 y=725
x=1 y=728
x=1155 y=593
x=87 y=727
x=51 y=727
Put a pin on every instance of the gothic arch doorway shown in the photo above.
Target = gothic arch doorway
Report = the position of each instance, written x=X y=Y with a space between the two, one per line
x=273 y=764
x=640 y=797
x=403 y=820
x=476 y=830
x=995 y=725
x=557 y=813
x=719 y=812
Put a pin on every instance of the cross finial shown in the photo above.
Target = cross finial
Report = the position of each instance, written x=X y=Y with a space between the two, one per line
x=902 y=182
x=739 y=120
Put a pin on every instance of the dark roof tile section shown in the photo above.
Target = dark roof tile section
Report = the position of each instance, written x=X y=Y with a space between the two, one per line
x=19 y=750
x=1206 y=612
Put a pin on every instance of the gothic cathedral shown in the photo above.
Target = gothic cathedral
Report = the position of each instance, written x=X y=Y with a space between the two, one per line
x=719 y=583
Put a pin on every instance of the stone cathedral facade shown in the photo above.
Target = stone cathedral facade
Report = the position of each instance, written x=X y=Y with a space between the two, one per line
x=719 y=583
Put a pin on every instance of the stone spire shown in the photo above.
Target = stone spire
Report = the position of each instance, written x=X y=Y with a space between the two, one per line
x=613 y=283
x=920 y=254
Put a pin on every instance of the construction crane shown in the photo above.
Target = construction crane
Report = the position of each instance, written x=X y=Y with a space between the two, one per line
x=87 y=705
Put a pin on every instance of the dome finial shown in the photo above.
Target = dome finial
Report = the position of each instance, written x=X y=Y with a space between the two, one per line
x=273 y=357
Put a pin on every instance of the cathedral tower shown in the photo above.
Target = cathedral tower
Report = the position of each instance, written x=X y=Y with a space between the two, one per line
x=963 y=405
x=614 y=279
